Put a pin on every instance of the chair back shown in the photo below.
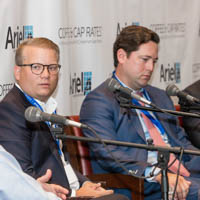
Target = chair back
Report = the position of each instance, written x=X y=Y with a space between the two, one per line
x=82 y=149
x=178 y=108
x=80 y=160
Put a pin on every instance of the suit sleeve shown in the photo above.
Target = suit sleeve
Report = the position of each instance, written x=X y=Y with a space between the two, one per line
x=101 y=111
x=15 y=137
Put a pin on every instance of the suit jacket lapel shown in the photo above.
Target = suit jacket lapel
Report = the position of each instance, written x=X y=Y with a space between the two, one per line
x=137 y=125
x=52 y=144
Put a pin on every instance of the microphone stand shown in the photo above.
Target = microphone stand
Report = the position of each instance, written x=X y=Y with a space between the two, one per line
x=174 y=112
x=163 y=154
x=186 y=106
x=150 y=147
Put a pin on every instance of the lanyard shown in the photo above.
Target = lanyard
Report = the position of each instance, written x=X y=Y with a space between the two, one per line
x=151 y=118
x=36 y=104
x=134 y=101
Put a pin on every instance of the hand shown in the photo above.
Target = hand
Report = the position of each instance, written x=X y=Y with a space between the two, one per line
x=93 y=190
x=56 y=189
x=182 y=186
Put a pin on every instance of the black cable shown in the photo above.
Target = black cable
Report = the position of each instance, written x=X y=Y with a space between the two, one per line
x=115 y=159
x=172 y=162
x=178 y=172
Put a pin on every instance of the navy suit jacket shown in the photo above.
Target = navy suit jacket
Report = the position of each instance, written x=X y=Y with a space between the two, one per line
x=192 y=124
x=32 y=144
x=102 y=112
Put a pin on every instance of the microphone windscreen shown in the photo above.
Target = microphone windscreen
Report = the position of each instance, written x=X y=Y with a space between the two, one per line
x=32 y=114
x=113 y=85
x=172 y=90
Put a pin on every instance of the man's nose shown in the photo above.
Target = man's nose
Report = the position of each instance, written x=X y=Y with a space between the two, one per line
x=45 y=71
x=150 y=65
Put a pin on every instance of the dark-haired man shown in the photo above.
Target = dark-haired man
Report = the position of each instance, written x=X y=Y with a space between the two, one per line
x=135 y=55
x=192 y=124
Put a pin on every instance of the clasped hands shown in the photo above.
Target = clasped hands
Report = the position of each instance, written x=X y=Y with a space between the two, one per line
x=93 y=190
x=88 y=188
x=182 y=186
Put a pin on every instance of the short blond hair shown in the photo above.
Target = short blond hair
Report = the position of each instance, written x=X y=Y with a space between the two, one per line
x=36 y=42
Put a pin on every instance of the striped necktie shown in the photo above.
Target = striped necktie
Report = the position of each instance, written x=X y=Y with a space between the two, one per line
x=158 y=140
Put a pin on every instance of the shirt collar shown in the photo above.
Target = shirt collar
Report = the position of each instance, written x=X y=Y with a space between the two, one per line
x=124 y=85
x=48 y=107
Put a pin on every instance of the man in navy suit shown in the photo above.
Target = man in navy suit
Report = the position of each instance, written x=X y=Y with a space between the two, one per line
x=192 y=124
x=32 y=144
x=135 y=55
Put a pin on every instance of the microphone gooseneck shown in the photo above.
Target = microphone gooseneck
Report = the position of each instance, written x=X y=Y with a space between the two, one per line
x=115 y=86
x=173 y=90
x=34 y=114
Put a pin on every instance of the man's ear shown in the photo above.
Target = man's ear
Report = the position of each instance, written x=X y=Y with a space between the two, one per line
x=17 y=71
x=121 y=56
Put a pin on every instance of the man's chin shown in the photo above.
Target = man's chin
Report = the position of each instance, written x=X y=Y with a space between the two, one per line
x=43 y=96
x=142 y=85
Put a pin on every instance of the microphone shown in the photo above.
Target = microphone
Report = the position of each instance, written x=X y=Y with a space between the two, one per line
x=173 y=90
x=34 y=114
x=115 y=86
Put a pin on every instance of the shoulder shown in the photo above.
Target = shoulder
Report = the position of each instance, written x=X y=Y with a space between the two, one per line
x=155 y=91
x=159 y=97
x=193 y=89
x=12 y=109
x=15 y=99
x=101 y=92
x=100 y=100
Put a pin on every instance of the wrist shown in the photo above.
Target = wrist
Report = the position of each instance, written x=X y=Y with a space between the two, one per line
x=158 y=178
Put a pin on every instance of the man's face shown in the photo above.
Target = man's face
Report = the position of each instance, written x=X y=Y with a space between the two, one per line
x=40 y=86
x=136 y=70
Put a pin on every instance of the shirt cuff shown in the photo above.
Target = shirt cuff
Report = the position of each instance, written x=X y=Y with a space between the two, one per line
x=148 y=172
x=73 y=193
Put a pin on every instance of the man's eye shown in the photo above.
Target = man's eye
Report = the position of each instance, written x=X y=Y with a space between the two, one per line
x=145 y=59
x=53 y=68
x=36 y=67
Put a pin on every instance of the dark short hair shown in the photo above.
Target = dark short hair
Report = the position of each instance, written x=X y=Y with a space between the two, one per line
x=41 y=42
x=131 y=37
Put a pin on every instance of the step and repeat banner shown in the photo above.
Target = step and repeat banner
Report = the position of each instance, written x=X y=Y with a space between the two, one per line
x=85 y=31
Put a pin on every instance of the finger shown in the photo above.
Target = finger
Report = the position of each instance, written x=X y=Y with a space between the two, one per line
x=182 y=191
x=102 y=193
x=93 y=185
x=62 y=196
x=97 y=186
x=46 y=177
x=107 y=192
x=60 y=189
x=185 y=188
x=88 y=183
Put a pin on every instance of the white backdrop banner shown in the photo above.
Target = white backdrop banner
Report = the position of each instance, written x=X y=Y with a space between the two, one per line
x=85 y=32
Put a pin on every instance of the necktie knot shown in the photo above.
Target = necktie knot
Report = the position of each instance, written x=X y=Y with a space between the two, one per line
x=139 y=93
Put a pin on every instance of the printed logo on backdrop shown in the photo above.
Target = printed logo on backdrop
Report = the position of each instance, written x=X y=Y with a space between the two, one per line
x=170 y=30
x=81 y=34
x=170 y=73
x=195 y=71
x=15 y=35
x=5 y=88
x=80 y=84
x=120 y=26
